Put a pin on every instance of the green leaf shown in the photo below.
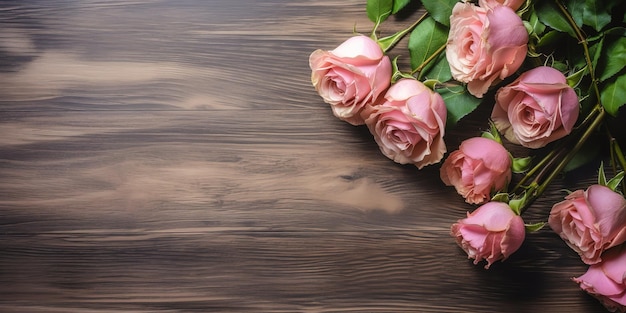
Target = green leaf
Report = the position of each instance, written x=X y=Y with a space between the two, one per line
x=440 y=69
x=580 y=159
x=386 y=43
x=493 y=134
x=431 y=83
x=399 y=5
x=613 y=94
x=549 y=14
x=440 y=10
x=500 y=197
x=613 y=56
x=576 y=9
x=521 y=165
x=379 y=10
x=595 y=51
x=459 y=102
x=397 y=74
x=601 y=175
x=617 y=155
x=531 y=228
x=575 y=57
x=488 y=135
x=537 y=27
x=588 y=100
x=615 y=181
x=597 y=14
x=517 y=204
x=550 y=38
x=574 y=79
x=586 y=154
x=425 y=39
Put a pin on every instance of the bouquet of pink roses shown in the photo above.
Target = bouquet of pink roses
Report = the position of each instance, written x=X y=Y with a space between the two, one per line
x=555 y=73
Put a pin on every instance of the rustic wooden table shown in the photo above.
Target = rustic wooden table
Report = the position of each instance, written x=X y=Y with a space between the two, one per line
x=172 y=156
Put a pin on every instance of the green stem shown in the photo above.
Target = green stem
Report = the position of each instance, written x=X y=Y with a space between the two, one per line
x=547 y=165
x=583 y=41
x=430 y=59
x=557 y=157
x=616 y=153
x=556 y=154
x=389 y=42
x=621 y=160
x=620 y=155
x=551 y=157
x=537 y=188
x=596 y=122
x=546 y=159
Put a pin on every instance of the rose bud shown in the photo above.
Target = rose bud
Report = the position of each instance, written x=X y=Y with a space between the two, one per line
x=484 y=45
x=492 y=232
x=537 y=108
x=479 y=167
x=351 y=76
x=409 y=124
x=606 y=280
x=590 y=221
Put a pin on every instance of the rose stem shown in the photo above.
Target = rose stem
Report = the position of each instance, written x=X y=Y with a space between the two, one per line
x=548 y=158
x=582 y=40
x=430 y=58
x=553 y=155
x=616 y=152
x=538 y=189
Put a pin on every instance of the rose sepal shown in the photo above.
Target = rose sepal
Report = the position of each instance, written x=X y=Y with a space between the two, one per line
x=534 y=227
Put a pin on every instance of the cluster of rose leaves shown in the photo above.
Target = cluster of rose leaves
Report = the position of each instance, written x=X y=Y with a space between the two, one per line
x=494 y=44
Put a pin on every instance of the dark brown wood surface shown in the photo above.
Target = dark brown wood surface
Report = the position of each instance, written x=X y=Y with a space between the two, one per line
x=172 y=156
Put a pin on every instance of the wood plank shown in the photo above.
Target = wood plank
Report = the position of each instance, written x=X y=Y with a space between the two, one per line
x=168 y=169
x=116 y=56
x=148 y=211
x=172 y=156
x=234 y=271
x=69 y=170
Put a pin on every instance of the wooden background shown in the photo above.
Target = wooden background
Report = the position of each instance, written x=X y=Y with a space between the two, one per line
x=172 y=156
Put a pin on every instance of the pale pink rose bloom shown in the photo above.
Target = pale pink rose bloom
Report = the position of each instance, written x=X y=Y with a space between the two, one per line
x=590 y=221
x=351 y=76
x=537 y=108
x=492 y=232
x=409 y=124
x=490 y=4
x=479 y=167
x=484 y=45
x=607 y=280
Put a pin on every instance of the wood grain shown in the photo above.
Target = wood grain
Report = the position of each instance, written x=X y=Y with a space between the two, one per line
x=161 y=156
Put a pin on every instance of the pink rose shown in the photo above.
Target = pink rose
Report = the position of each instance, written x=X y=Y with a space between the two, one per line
x=350 y=77
x=409 y=125
x=492 y=232
x=490 y=4
x=607 y=280
x=537 y=108
x=590 y=221
x=479 y=167
x=484 y=45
